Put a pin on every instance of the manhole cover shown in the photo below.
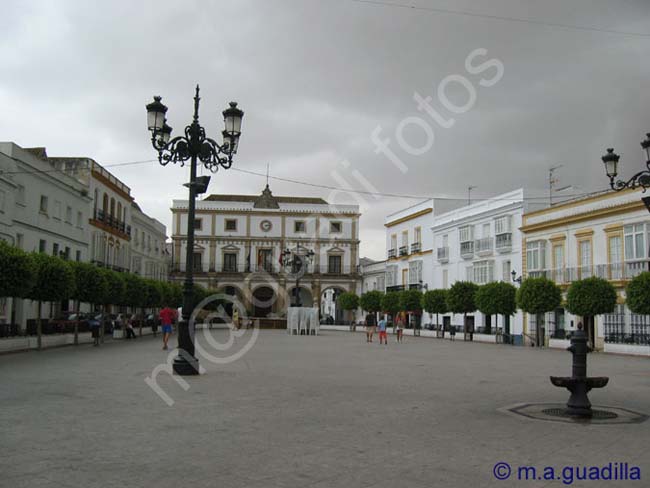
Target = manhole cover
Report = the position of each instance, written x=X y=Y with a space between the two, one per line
x=556 y=412
x=596 y=414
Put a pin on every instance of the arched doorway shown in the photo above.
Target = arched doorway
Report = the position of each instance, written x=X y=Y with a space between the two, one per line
x=330 y=311
x=235 y=293
x=305 y=296
x=264 y=298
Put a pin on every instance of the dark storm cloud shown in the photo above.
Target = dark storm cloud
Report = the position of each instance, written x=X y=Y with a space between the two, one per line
x=317 y=77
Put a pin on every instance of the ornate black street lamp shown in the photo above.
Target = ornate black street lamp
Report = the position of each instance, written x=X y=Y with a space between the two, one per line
x=297 y=265
x=515 y=279
x=639 y=180
x=192 y=146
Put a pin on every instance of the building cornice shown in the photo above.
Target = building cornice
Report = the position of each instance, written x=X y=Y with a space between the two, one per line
x=585 y=216
x=105 y=181
x=406 y=218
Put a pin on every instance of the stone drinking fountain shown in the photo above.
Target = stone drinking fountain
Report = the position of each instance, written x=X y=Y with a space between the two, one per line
x=579 y=384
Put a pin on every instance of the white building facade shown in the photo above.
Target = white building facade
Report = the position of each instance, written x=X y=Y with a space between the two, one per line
x=122 y=236
x=149 y=256
x=481 y=243
x=409 y=247
x=41 y=210
x=373 y=275
x=239 y=244
x=605 y=235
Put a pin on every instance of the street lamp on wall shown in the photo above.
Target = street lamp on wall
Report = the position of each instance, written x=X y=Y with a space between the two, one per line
x=515 y=279
x=639 y=180
x=193 y=146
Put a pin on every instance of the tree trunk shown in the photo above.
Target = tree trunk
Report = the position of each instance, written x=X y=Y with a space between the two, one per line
x=39 y=327
x=103 y=324
x=76 y=325
x=13 y=314
x=141 y=320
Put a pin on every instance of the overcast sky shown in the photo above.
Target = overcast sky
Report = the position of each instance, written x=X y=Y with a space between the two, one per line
x=317 y=77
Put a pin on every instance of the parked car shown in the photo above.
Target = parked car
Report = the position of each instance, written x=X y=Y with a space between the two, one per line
x=65 y=322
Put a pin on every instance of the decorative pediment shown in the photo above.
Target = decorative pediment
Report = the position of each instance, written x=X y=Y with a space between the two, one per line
x=335 y=250
x=266 y=200
x=230 y=247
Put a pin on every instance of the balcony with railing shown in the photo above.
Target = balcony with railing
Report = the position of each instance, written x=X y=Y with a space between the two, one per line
x=613 y=272
x=112 y=222
x=467 y=250
x=395 y=288
x=443 y=254
x=392 y=253
x=404 y=251
x=416 y=247
x=504 y=242
x=484 y=246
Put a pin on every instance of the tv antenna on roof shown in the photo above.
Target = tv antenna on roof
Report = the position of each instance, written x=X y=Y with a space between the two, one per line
x=469 y=193
x=551 y=182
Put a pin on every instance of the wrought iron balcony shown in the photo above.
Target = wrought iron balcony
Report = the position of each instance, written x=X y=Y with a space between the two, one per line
x=613 y=272
x=404 y=251
x=392 y=253
x=395 y=288
x=416 y=247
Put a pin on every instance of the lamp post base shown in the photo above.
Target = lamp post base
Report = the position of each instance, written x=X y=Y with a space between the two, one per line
x=184 y=366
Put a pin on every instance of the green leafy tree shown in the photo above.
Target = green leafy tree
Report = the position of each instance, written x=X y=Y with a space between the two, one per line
x=537 y=296
x=637 y=294
x=55 y=282
x=590 y=297
x=154 y=296
x=410 y=301
x=435 y=301
x=370 y=301
x=135 y=294
x=91 y=287
x=348 y=301
x=116 y=287
x=18 y=272
x=461 y=299
x=496 y=298
x=390 y=303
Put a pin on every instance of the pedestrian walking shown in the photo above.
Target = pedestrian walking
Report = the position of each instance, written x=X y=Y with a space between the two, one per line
x=235 y=319
x=167 y=316
x=400 y=322
x=130 y=332
x=383 y=337
x=94 y=326
x=371 y=326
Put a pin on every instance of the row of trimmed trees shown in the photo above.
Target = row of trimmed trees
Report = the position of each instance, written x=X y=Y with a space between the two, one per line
x=44 y=278
x=586 y=298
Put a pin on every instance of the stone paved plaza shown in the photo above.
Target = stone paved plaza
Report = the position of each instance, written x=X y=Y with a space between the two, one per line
x=321 y=412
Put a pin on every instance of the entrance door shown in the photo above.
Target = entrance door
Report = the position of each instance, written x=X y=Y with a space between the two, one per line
x=488 y=324
x=446 y=323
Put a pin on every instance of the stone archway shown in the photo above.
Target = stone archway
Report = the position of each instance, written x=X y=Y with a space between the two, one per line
x=264 y=300
x=329 y=309
x=237 y=295
x=306 y=297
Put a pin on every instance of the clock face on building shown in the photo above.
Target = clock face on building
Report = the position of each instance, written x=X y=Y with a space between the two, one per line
x=266 y=225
